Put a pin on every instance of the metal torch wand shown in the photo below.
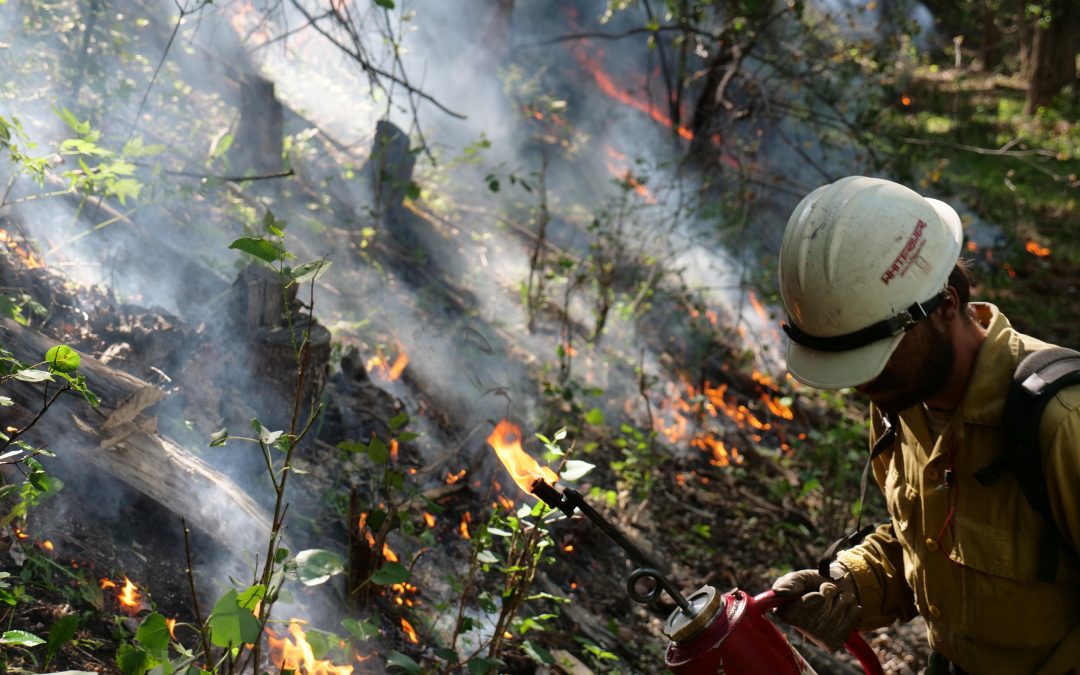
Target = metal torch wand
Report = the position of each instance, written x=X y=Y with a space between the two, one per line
x=569 y=499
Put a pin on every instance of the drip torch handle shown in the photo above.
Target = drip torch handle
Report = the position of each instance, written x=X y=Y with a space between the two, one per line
x=648 y=567
x=569 y=500
x=855 y=644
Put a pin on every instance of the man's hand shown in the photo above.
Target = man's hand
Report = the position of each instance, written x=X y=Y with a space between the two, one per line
x=826 y=609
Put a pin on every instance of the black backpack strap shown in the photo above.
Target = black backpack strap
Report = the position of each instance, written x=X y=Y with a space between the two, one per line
x=1038 y=378
x=883 y=443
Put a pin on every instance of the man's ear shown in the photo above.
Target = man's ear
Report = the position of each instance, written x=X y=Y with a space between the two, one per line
x=950 y=307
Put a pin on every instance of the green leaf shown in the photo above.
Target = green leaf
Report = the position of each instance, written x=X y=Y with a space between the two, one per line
x=260 y=248
x=265 y=435
x=63 y=359
x=60 y=634
x=595 y=417
x=397 y=658
x=361 y=630
x=153 y=634
x=231 y=624
x=398 y=421
x=33 y=375
x=537 y=653
x=480 y=665
x=20 y=638
x=386 y=4
x=219 y=438
x=251 y=596
x=134 y=660
x=311 y=271
x=352 y=446
x=377 y=451
x=315 y=566
x=81 y=128
x=319 y=643
x=391 y=573
x=575 y=469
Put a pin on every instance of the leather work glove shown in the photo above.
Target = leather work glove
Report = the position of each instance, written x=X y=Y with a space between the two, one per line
x=826 y=610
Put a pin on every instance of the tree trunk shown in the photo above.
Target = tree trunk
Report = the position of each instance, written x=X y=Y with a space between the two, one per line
x=1053 y=53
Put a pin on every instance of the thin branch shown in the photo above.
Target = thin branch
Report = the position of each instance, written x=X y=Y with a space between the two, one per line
x=157 y=71
x=194 y=595
x=1003 y=151
x=228 y=179
x=598 y=35
x=368 y=66
x=48 y=402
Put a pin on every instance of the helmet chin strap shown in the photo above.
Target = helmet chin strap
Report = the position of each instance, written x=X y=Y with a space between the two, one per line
x=894 y=325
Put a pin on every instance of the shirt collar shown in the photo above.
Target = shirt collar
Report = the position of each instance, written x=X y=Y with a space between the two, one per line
x=1001 y=351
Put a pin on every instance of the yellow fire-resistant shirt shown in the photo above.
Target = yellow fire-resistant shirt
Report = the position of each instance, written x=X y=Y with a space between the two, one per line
x=965 y=557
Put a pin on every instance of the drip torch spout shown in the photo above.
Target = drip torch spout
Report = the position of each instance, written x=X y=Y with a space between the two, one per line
x=568 y=500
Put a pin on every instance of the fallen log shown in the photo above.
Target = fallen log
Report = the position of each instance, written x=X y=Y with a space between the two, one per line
x=119 y=437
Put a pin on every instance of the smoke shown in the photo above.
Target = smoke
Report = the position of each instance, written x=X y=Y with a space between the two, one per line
x=538 y=133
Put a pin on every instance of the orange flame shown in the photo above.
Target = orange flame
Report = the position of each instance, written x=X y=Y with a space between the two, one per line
x=463 y=526
x=295 y=653
x=130 y=598
x=386 y=370
x=27 y=257
x=47 y=545
x=409 y=631
x=905 y=100
x=608 y=86
x=429 y=519
x=393 y=449
x=1038 y=251
x=452 y=478
x=626 y=177
x=756 y=304
x=506 y=441
x=721 y=456
x=388 y=555
x=171 y=625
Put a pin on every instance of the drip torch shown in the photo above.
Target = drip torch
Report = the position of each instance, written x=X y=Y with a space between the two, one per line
x=710 y=632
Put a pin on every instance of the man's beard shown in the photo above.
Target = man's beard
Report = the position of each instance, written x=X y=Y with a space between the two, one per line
x=904 y=385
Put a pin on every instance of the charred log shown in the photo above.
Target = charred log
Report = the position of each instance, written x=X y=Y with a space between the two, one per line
x=119 y=438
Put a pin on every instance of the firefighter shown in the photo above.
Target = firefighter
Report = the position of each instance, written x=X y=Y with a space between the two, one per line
x=877 y=300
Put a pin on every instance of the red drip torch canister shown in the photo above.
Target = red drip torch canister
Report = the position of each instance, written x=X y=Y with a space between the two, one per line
x=729 y=634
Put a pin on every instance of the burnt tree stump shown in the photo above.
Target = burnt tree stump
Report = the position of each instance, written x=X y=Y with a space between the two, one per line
x=257 y=302
x=259 y=140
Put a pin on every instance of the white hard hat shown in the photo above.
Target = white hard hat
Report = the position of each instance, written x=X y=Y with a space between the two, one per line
x=862 y=260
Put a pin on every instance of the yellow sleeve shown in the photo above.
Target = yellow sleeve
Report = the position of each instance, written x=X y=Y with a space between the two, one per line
x=877 y=564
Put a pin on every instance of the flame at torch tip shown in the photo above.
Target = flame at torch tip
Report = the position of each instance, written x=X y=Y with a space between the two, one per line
x=505 y=439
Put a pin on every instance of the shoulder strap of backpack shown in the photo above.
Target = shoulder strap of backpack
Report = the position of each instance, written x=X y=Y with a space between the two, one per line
x=883 y=443
x=1038 y=378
